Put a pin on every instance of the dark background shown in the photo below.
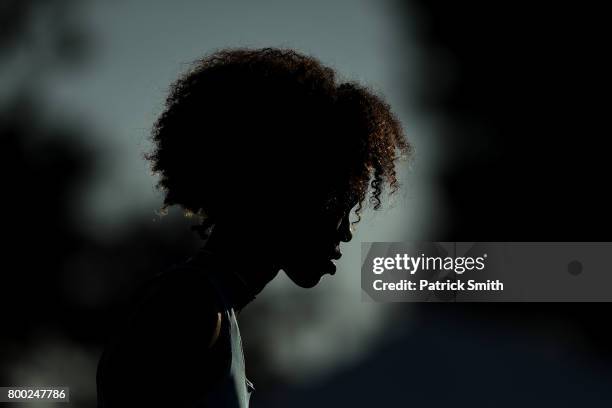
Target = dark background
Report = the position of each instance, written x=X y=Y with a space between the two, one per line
x=505 y=102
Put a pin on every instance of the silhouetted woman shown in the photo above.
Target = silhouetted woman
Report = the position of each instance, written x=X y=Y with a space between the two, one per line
x=273 y=154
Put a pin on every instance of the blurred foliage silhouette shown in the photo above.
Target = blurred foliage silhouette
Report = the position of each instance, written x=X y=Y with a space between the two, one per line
x=525 y=164
x=59 y=283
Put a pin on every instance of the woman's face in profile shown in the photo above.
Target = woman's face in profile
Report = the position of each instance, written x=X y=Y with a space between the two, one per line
x=310 y=250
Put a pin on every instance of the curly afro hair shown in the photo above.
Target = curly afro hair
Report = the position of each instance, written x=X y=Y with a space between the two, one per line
x=268 y=128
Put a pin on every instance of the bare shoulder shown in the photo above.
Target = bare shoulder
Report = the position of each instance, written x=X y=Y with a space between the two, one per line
x=183 y=301
x=171 y=338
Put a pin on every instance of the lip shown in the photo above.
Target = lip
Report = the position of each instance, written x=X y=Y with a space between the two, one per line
x=332 y=269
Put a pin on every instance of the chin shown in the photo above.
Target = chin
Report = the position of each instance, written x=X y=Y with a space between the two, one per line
x=308 y=276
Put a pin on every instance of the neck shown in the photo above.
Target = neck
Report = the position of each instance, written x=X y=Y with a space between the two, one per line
x=249 y=268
